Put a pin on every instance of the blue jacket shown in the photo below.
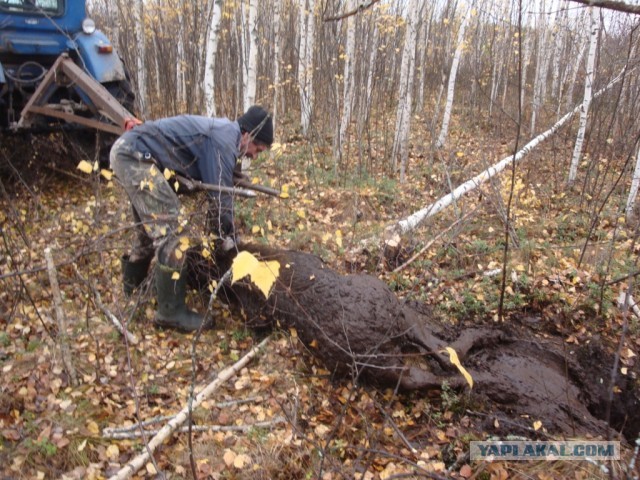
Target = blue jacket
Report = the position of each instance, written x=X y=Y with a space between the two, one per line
x=200 y=148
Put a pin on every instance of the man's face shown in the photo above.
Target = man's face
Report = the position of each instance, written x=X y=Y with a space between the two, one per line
x=254 y=149
x=251 y=148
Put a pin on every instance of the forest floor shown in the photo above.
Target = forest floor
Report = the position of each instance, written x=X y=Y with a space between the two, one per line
x=313 y=426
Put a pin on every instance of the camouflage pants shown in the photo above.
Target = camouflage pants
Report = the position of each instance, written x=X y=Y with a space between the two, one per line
x=156 y=207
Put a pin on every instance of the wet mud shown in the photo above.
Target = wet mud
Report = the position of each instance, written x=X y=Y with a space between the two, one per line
x=356 y=327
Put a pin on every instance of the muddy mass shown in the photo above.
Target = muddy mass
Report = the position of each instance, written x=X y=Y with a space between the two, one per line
x=356 y=326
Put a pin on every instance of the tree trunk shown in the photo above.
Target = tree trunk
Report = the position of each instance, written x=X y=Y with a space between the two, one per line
x=277 y=87
x=250 y=56
x=210 y=59
x=586 y=102
x=305 y=62
x=405 y=90
x=635 y=184
x=442 y=137
x=347 y=90
x=141 y=68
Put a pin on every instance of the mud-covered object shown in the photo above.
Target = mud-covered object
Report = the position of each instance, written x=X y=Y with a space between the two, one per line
x=357 y=327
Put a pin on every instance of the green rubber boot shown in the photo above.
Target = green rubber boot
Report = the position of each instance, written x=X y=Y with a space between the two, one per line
x=172 y=311
x=133 y=273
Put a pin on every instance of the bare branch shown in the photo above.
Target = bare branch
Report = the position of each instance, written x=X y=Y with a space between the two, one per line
x=361 y=7
x=611 y=5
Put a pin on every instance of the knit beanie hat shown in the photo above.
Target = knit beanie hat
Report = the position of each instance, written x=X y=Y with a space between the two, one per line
x=257 y=121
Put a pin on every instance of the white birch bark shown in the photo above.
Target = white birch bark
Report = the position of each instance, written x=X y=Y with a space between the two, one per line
x=251 y=56
x=574 y=74
x=277 y=88
x=347 y=77
x=425 y=31
x=542 y=69
x=141 y=70
x=181 y=93
x=210 y=59
x=305 y=62
x=588 y=89
x=442 y=137
x=635 y=184
x=414 y=220
x=405 y=94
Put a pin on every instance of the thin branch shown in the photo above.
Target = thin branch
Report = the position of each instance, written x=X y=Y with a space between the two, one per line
x=611 y=5
x=97 y=298
x=432 y=241
x=129 y=434
x=61 y=318
x=360 y=8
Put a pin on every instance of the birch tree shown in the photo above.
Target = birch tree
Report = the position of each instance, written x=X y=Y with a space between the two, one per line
x=635 y=185
x=348 y=81
x=305 y=62
x=405 y=89
x=141 y=69
x=277 y=87
x=442 y=137
x=210 y=58
x=250 y=56
x=586 y=101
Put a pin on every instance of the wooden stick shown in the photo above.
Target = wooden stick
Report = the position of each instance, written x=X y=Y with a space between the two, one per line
x=60 y=317
x=136 y=464
x=131 y=338
x=129 y=434
x=431 y=242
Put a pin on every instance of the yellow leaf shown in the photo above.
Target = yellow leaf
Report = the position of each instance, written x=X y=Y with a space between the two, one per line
x=301 y=213
x=229 y=457
x=453 y=358
x=536 y=425
x=151 y=470
x=82 y=445
x=255 y=229
x=167 y=174
x=206 y=253
x=176 y=185
x=175 y=276
x=265 y=275
x=213 y=285
x=85 y=166
x=113 y=452
x=241 y=460
x=108 y=174
x=93 y=427
x=243 y=265
x=284 y=195
x=339 y=238
x=284 y=191
x=178 y=253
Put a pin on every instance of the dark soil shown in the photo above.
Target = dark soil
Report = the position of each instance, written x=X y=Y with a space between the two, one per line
x=356 y=326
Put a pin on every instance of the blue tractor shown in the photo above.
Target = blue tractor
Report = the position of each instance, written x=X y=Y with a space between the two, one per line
x=56 y=68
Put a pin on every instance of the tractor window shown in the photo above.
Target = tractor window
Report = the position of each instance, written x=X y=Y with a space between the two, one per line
x=47 y=7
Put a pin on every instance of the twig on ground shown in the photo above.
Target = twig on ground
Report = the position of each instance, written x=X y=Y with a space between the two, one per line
x=136 y=463
x=60 y=317
x=116 y=435
x=97 y=298
x=431 y=242
x=107 y=432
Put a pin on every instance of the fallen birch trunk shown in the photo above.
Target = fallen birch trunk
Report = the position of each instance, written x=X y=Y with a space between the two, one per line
x=414 y=220
x=138 y=462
